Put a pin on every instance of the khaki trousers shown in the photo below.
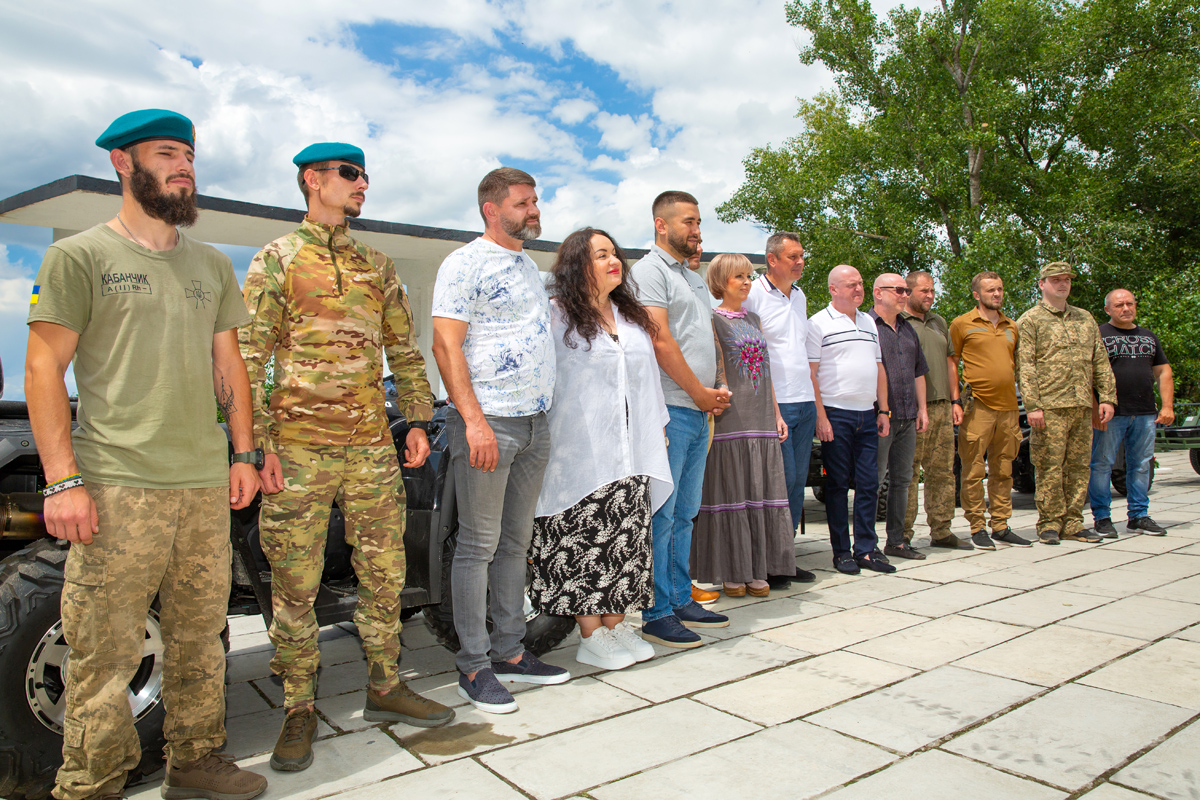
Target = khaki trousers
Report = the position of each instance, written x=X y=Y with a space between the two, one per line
x=935 y=453
x=1061 y=454
x=994 y=436
x=173 y=543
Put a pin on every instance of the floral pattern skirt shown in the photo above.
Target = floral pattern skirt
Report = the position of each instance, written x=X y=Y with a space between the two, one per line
x=597 y=556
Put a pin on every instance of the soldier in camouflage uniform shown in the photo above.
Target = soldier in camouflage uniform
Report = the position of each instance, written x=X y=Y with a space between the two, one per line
x=1061 y=361
x=328 y=308
x=935 y=445
x=149 y=515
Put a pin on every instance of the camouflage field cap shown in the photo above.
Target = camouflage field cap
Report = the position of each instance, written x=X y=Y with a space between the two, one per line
x=1056 y=268
x=146 y=125
x=330 y=151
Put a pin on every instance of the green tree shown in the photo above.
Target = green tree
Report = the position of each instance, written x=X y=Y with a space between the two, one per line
x=1000 y=134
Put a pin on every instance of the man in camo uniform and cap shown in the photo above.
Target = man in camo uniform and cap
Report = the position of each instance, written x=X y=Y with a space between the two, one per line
x=1061 y=361
x=328 y=307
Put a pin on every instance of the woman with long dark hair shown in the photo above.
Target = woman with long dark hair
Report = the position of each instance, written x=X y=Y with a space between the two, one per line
x=608 y=470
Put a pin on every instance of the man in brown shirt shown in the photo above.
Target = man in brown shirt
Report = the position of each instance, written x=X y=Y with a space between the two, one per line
x=986 y=343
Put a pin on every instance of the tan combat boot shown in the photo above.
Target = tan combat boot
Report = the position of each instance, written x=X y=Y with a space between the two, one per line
x=213 y=777
x=402 y=704
x=293 y=749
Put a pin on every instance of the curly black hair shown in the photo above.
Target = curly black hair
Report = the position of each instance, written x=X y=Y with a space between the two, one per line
x=574 y=288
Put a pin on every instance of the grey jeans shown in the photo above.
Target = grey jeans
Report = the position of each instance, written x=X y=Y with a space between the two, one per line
x=495 y=526
x=896 y=461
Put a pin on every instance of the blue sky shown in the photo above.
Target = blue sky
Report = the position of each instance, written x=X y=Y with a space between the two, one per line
x=607 y=104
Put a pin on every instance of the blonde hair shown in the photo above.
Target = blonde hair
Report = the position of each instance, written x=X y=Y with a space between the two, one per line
x=721 y=268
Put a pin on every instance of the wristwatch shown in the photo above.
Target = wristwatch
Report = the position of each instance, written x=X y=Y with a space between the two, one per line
x=883 y=411
x=255 y=457
x=956 y=403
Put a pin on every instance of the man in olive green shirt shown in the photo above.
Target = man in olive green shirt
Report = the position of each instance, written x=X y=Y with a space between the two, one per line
x=935 y=445
x=1061 y=361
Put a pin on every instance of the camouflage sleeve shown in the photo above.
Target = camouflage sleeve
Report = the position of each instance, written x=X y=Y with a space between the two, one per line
x=263 y=293
x=403 y=356
x=1102 y=375
x=1027 y=377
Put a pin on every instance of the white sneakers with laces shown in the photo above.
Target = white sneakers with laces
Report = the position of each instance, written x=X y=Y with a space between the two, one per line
x=601 y=649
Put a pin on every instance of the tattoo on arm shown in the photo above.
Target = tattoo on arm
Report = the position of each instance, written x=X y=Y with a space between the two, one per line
x=225 y=400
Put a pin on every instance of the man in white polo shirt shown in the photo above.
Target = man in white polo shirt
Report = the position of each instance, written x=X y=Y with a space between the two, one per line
x=783 y=309
x=852 y=413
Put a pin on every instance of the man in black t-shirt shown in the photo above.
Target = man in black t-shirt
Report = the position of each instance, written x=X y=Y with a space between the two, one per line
x=1137 y=361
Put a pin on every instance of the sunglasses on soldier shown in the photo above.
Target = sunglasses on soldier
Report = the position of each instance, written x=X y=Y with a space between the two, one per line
x=347 y=172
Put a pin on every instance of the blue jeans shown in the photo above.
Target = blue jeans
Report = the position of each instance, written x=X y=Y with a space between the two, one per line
x=687 y=450
x=495 y=526
x=851 y=453
x=1137 y=433
x=801 y=420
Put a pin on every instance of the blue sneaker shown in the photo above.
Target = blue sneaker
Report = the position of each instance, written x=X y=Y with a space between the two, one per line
x=529 y=670
x=669 y=631
x=486 y=693
x=694 y=615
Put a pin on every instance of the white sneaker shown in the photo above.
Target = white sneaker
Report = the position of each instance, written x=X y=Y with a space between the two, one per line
x=601 y=649
x=632 y=641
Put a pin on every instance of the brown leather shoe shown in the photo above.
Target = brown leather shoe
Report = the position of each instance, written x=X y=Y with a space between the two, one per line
x=763 y=592
x=213 y=777
x=293 y=748
x=704 y=596
x=402 y=704
x=735 y=591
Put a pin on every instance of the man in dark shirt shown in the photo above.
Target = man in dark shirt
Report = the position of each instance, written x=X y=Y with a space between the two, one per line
x=1137 y=361
x=905 y=366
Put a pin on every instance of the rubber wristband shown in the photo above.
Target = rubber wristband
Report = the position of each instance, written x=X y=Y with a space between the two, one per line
x=64 y=480
x=62 y=486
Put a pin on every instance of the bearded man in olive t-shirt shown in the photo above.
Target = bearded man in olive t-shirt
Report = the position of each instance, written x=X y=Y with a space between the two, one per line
x=143 y=487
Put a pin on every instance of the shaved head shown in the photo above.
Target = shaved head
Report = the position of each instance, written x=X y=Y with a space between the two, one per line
x=845 y=289
x=841 y=272
x=887 y=279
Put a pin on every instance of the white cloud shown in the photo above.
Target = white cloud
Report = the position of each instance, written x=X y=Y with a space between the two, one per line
x=574 y=111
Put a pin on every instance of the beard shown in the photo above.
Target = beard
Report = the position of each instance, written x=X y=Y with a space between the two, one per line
x=352 y=211
x=525 y=230
x=173 y=209
x=989 y=304
x=680 y=244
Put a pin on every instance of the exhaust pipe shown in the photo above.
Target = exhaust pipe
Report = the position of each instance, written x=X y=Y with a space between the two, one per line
x=21 y=516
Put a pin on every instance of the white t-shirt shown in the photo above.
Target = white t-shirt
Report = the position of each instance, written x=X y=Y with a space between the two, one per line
x=607 y=419
x=499 y=294
x=847 y=350
x=785 y=327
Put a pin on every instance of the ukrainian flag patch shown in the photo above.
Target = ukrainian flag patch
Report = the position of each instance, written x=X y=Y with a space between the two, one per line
x=34 y=297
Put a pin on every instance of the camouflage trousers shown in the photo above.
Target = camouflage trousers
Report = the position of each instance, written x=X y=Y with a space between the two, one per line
x=934 y=452
x=365 y=482
x=173 y=543
x=988 y=441
x=1061 y=454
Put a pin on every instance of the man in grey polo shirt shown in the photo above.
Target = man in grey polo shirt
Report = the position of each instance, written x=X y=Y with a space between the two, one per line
x=680 y=305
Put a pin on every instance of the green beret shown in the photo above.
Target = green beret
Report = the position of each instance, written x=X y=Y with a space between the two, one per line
x=145 y=125
x=330 y=151
x=1056 y=268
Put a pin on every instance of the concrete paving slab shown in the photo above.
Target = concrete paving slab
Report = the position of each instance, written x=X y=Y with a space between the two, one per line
x=795 y=760
x=1138 y=617
x=915 y=712
x=1191 y=634
x=953 y=570
x=941 y=776
x=249 y=666
x=1110 y=791
x=1142 y=543
x=662 y=679
x=458 y=780
x=543 y=712
x=1189 y=550
x=1051 y=655
x=946 y=598
x=1038 y=607
x=1117 y=582
x=1059 y=568
x=772 y=614
x=789 y=692
x=835 y=631
x=1169 y=770
x=1167 y=671
x=579 y=759
x=1070 y=736
x=345 y=711
x=937 y=641
x=256 y=733
x=242 y=699
x=870 y=591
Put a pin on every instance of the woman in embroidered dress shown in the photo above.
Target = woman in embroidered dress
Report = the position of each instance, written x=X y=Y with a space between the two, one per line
x=608 y=469
x=743 y=532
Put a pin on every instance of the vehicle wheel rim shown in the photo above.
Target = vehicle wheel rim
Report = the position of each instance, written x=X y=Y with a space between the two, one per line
x=50 y=664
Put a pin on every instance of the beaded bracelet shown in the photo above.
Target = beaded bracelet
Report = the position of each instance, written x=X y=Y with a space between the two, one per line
x=61 y=486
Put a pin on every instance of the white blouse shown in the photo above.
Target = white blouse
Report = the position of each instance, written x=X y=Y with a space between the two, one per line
x=593 y=441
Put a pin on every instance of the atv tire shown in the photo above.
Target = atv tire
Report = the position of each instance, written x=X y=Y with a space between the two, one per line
x=543 y=632
x=32 y=690
x=1194 y=458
